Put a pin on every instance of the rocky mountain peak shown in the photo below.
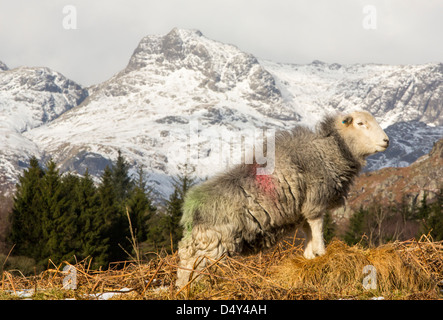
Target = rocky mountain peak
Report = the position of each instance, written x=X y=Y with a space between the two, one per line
x=175 y=43
x=169 y=48
x=222 y=66
x=29 y=98
x=35 y=95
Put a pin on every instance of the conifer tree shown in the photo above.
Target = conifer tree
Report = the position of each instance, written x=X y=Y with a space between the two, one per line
x=423 y=209
x=91 y=222
x=121 y=180
x=26 y=231
x=115 y=226
x=56 y=217
x=171 y=222
x=328 y=227
x=69 y=221
x=431 y=216
x=172 y=231
x=435 y=220
x=356 y=227
x=140 y=208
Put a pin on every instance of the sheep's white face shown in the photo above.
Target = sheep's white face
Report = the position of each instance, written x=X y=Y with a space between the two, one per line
x=367 y=133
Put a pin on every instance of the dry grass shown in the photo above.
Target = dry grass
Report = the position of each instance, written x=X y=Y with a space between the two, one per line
x=400 y=273
x=405 y=270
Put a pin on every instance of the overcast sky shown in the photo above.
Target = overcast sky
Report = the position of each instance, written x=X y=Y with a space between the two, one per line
x=108 y=31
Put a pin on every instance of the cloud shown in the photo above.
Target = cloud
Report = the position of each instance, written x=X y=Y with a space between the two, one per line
x=407 y=31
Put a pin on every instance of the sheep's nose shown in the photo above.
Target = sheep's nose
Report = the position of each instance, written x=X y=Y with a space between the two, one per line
x=387 y=141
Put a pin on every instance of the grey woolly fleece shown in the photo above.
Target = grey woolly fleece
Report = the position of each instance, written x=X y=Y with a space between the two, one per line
x=245 y=212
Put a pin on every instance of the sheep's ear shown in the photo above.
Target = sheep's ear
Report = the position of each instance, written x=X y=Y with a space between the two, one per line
x=347 y=120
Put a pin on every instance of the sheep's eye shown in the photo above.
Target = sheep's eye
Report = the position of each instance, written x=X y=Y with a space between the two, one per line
x=360 y=123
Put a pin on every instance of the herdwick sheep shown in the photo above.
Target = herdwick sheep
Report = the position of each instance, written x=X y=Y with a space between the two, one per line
x=240 y=211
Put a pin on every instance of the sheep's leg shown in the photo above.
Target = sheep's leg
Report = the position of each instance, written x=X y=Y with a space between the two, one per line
x=204 y=243
x=186 y=253
x=318 y=244
x=308 y=254
x=314 y=243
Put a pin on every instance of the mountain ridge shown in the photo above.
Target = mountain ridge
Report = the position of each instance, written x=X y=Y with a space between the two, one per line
x=29 y=98
x=182 y=84
x=391 y=92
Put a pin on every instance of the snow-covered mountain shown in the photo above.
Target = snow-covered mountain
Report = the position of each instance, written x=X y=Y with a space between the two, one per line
x=175 y=87
x=408 y=142
x=29 y=97
x=183 y=97
x=406 y=100
x=392 y=93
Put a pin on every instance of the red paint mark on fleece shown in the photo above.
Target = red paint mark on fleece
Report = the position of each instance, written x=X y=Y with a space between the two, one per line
x=264 y=182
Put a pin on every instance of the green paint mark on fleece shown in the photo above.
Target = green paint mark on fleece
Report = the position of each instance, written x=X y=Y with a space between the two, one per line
x=193 y=199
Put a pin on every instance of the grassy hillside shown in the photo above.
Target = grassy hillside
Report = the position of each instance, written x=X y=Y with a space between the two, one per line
x=403 y=270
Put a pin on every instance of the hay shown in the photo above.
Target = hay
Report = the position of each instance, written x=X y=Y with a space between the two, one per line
x=341 y=273
x=404 y=270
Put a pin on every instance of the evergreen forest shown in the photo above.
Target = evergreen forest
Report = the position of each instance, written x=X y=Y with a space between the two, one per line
x=66 y=217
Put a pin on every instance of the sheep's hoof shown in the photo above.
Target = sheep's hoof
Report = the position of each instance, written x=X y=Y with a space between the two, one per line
x=308 y=254
x=311 y=254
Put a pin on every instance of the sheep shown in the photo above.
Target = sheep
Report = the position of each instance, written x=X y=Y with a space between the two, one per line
x=242 y=212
